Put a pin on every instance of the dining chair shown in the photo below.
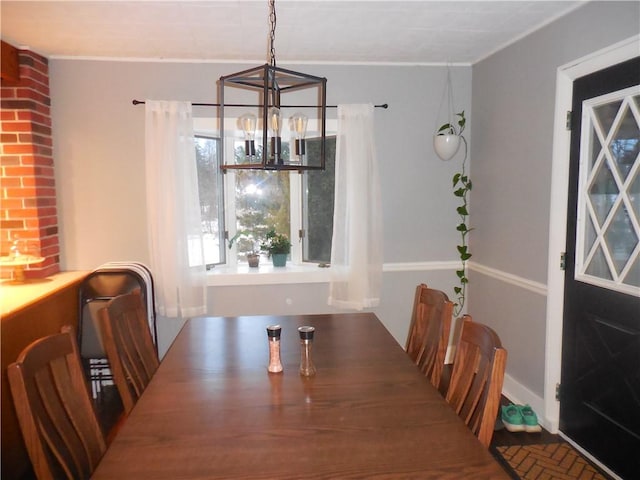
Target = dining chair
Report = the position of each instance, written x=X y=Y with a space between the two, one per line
x=96 y=289
x=476 y=378
x=129 y=346
x=429 y=331
x=54 y=408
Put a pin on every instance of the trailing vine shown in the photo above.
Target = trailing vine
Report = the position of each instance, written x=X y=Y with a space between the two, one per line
x=463 y=183
x=462 y=186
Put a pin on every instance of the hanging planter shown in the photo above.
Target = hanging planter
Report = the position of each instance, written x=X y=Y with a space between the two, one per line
x=447 y=138
x=461 y=187
x=446 y=145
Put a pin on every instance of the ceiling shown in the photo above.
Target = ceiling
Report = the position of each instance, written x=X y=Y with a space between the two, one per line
x=307 y=31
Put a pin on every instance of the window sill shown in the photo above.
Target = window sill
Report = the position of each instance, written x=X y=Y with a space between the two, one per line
x=266 y=275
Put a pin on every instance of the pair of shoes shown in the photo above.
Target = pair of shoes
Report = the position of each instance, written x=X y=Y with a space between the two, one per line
x=530 y=419
x=519 y=418
x=512 y=418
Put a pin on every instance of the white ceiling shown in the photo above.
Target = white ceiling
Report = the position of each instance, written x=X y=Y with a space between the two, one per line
x=307 y=31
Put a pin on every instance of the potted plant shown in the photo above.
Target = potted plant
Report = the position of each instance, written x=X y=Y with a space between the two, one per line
x=253 y=258
x=246 y=236
x=446 y=141
x=278 y=246
x=461 y=188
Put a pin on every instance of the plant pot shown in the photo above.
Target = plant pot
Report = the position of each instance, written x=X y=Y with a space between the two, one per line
x=253 y=259
x=279 y=259
x=446 y=146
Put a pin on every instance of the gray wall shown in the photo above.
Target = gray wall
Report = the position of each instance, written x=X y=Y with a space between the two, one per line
x=99 y=154
x=513 y=100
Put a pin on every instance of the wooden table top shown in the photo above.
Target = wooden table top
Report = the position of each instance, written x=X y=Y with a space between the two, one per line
x=213 y=411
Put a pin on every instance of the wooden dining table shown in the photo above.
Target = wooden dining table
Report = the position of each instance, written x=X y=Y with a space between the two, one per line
x=213 y=411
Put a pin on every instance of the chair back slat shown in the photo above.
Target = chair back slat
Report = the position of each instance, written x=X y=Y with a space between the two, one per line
x=54 y=408
x=129 y=346
x=429 y=331
x=477 y=378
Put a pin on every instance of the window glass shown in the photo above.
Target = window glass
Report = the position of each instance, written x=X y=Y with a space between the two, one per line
x=211 y=193
x=317 y=204
x=254 y=201
x=262 y=203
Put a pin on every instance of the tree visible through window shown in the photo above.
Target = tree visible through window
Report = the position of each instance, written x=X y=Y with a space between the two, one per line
x=259 y=201
x=210 y=188
x=262 y=201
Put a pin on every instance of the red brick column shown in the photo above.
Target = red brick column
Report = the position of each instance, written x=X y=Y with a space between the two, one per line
x=27 y=187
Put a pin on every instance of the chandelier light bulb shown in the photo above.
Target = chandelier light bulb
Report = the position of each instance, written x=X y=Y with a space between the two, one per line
x=275 y=126
x=275 y=122
x=298 y=124
x=248 y=123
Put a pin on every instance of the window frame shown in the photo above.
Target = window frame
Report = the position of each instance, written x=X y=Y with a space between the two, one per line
x=220 y=198
x=204 y=127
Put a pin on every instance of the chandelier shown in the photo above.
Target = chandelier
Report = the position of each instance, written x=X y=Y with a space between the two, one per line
x=263 y=89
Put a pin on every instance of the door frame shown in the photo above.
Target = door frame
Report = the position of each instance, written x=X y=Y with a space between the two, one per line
x=565 y=76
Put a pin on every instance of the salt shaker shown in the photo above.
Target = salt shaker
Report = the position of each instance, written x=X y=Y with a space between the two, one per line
x=273 y=333
x=307 y=368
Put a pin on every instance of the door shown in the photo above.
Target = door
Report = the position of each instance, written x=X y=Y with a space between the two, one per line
x=600 y=385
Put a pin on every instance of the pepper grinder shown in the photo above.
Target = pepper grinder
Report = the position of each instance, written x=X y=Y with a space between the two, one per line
x=273 y=332
x=307 y=368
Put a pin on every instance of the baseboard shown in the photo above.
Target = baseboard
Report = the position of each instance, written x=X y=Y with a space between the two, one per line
x=521 y=395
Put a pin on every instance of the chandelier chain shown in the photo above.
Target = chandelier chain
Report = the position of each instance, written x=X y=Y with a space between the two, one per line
x=272 y=34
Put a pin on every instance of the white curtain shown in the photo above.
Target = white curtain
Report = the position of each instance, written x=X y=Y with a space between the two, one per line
x=356 y=249
x=173 y=210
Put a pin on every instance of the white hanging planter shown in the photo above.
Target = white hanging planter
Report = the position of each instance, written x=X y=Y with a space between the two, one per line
x=446 y=146
x=447 y=138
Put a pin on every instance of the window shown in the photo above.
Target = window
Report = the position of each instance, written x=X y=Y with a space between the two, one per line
x=250 y=202
x=211 y=193
x=262 y=202
x=317 y=206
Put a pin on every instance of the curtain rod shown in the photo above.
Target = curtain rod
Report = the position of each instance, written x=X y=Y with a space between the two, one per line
x=139 y=102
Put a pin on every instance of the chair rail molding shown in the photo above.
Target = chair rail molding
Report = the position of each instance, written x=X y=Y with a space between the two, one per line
x=531 y=285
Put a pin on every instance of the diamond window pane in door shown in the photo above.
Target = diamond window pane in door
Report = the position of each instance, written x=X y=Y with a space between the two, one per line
x=598 y=266
x=608 y=235
x=605 y=114
x=603 y=193
x=595 y=149
x=620 y=238
x=590 y=236
x=625 y=143
x=633 y=277
x=634 y=195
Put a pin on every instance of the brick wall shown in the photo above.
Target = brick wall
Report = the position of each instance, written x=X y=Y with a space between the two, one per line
x=27 y=187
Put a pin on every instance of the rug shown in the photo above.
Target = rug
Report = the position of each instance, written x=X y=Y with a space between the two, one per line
x=553 y=461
